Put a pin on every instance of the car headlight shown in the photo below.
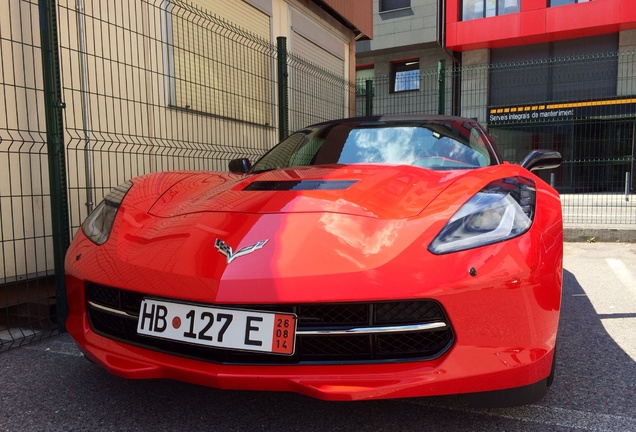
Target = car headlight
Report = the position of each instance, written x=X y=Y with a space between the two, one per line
x=98 y=224
x=502 y=210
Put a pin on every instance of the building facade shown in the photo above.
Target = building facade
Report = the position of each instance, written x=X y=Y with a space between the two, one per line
x=561 y=76
x=557 y=74
x=407 y=43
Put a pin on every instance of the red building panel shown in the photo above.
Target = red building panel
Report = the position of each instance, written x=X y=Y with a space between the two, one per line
x=533 y=22
x=537 y=23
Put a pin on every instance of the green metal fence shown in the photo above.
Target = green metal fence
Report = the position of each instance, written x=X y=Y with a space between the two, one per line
x=145 y=94
x=27 y=285
x=316 y=94
x=141 y=86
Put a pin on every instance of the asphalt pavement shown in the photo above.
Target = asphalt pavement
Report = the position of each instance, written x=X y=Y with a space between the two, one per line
x=49 y=386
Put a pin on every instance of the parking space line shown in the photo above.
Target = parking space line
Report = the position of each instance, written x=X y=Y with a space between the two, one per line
x=549 y=416
x=623 y=274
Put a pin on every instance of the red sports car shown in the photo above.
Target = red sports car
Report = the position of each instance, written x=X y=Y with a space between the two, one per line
x=364 y=258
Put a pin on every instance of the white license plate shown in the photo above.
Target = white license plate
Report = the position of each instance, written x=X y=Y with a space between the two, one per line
x=235 y=329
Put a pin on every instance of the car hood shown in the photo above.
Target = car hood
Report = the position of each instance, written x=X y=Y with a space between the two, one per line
x=284 y=248
x=387 y=192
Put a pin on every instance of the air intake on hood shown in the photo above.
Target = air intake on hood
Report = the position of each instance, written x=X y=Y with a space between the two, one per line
x=299 y=185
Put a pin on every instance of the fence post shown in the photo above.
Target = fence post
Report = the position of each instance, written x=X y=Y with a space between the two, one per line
x=368 y=98
x=53 y=107
x=283 y=91
x=441 y=87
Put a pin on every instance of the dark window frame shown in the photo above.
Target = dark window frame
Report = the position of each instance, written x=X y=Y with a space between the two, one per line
x=391 y=5
x=500 y=9
x=401 y=66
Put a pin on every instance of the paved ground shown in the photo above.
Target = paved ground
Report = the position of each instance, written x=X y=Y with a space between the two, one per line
x=48 y=386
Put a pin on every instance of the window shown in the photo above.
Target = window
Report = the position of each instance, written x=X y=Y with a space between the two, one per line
x=211 y=66
x=363 y=73
x=405 y=75
x=508 y=6
x=473 y=9
x=566 y=2
x=389 y=5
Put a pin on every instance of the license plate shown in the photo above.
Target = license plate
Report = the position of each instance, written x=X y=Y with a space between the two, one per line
x=235 y=329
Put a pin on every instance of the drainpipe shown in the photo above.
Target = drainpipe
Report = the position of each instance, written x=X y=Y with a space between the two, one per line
x=85 y=113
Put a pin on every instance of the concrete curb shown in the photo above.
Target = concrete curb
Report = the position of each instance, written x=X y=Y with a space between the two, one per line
x=600 y=234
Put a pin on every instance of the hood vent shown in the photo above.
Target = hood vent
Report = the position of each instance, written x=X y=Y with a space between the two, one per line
x=299 y=185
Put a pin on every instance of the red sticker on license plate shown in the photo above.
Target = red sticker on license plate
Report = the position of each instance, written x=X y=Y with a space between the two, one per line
x=283 y=338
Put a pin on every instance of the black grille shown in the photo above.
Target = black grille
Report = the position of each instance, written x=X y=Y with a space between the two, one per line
x=310 y=348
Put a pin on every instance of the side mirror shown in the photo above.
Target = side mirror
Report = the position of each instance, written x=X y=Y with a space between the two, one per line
x=542 y=160
x=240 y=166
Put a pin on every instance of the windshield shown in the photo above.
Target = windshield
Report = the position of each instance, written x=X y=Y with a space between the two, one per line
x=434 y=145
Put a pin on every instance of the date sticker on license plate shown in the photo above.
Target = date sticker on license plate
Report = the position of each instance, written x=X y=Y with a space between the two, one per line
x=235 y=329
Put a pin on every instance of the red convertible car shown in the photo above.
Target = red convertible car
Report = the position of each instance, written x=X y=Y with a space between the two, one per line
x=364 y=258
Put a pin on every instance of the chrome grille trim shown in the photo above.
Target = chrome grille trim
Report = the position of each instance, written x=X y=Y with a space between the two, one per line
x=113 y=311
x=377 y=330
x=348 y=331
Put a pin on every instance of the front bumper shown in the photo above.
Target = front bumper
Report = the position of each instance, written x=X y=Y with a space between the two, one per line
x=462 y=369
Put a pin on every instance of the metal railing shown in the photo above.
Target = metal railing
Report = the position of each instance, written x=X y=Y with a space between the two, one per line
x=142 y=86
x=27 y=289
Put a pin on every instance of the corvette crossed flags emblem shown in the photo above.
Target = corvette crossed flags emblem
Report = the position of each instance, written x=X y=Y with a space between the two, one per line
x=226 y=250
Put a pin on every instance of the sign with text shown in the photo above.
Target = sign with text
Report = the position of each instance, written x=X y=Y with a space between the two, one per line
x=561 y=111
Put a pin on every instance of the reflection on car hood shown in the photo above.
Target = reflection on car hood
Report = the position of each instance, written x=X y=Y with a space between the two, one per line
x=367 y=190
